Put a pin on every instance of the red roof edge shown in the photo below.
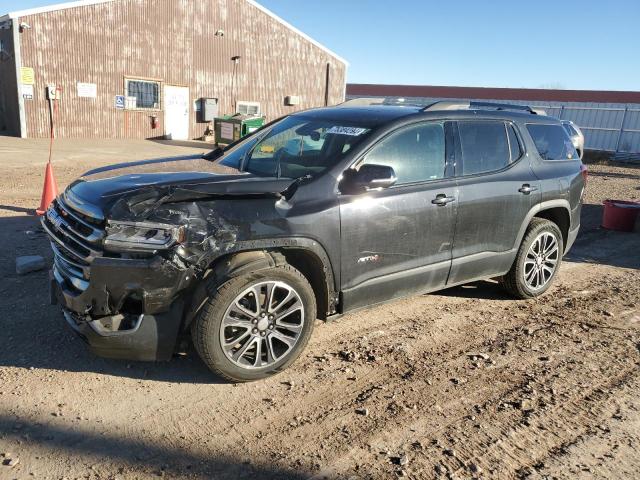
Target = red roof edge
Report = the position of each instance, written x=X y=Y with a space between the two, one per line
x=535 y=94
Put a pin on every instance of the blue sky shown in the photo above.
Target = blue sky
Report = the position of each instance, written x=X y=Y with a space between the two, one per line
x=554 y=44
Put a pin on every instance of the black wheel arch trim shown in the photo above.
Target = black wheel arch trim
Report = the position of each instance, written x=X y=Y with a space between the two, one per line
x=537 y=209
x=250 y=256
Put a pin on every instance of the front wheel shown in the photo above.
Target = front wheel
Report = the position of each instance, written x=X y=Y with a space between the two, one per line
x=537 y=261
x=255 y=325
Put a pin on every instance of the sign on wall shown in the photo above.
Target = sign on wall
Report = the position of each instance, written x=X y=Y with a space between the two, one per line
x=27 y=92
x=27 y=76
x=119 y=102
x=87 y=90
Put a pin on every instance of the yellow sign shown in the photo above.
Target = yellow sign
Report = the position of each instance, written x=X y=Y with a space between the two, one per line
x=27 y=76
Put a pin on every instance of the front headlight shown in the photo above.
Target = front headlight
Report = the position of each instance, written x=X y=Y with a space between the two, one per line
x=141 y=236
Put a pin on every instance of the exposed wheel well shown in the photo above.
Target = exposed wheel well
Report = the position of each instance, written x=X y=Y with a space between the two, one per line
x=559 y=216
x=312 y=268
x=305 y=261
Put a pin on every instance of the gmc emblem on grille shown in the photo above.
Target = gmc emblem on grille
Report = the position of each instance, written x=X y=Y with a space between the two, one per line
x=54 y=218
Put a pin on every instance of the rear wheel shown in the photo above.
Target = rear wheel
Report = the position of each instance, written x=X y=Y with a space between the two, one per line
x=255 y=325
x=537 y=261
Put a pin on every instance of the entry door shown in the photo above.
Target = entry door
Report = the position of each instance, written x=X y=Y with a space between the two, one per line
x=176 y=112
x=398 y=241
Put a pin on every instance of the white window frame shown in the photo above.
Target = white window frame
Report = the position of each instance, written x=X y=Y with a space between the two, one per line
x=145 y=80
x=248 y=105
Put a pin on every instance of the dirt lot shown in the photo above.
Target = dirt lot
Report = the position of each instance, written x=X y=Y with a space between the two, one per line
x=463 y=383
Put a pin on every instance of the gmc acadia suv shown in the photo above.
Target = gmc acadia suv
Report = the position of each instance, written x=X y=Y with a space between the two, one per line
x=314 y=215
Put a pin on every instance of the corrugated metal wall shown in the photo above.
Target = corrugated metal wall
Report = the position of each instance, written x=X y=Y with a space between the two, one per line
x=9 y=113
x=172 y=41
x=611 y=127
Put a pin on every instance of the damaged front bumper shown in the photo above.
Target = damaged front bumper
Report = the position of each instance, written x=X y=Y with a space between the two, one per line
x=131 y=308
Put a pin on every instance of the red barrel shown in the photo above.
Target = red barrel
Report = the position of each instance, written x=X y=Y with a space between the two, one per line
x=620 y=215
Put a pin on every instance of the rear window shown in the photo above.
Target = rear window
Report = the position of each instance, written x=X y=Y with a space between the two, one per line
x=485 y=147
x=552 y=142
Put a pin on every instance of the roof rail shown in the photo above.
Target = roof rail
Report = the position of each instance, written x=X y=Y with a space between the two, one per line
x=465 y=104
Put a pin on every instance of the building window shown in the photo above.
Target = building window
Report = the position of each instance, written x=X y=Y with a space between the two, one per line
x=145 y=92
x=248 y=108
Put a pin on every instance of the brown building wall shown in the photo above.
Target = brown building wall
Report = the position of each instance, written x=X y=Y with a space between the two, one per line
x=9 y=108
x=172 y=41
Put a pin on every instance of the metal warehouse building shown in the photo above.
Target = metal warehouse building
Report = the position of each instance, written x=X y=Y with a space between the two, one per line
x=145 y=68
x=610 y=120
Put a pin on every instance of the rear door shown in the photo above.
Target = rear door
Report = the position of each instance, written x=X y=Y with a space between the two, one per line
x=497 y=188
x=398 y=240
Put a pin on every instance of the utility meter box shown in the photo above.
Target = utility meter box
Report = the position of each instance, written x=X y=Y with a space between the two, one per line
x=230 y=128
x=208 y=109
x=292 y=100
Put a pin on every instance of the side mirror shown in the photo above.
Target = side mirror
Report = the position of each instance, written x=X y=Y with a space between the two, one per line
x=367 y=177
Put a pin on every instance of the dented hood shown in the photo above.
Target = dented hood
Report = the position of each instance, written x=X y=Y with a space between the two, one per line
x=171 y=179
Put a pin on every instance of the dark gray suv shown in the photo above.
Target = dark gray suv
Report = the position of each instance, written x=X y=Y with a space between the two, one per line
x=314 y=215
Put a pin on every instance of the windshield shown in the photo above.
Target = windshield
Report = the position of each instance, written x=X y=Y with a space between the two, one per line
x=295 y=147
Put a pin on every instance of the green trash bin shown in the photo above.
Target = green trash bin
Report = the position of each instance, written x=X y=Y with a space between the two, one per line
x=230 y=128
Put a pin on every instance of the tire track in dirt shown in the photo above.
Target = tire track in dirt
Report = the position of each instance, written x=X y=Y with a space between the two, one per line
x=510 y=440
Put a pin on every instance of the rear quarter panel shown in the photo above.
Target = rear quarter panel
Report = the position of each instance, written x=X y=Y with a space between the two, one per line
x=559 y=179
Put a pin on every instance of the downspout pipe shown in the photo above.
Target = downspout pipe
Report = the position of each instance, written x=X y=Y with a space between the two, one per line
x=15 y=28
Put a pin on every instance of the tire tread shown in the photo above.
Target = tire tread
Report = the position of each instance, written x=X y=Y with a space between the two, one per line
x=218 y=290
x=512 y=281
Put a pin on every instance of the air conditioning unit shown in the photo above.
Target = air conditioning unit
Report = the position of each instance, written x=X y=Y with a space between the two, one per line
x=248 y=108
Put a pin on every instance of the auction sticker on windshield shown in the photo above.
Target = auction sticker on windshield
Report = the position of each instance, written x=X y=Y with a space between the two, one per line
x=352 y=131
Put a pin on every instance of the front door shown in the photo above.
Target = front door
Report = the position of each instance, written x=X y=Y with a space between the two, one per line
x=398 y=240
x=176 y=112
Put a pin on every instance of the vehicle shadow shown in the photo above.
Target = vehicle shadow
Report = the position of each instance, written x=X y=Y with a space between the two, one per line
x=605 y=247
x=481 y=290
x=35 y=335
x=135 y=457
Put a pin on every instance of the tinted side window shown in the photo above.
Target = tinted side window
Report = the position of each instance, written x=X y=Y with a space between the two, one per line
x=552 y=142
x=485 y=147
x=514 y=143
x=415 y=153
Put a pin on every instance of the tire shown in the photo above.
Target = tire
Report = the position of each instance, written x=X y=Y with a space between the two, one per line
x=517 y=282
x=231 y=302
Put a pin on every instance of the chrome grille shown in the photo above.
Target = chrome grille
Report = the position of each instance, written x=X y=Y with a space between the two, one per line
x=76 y=240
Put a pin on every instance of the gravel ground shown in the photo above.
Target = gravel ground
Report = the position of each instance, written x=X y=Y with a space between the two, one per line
x=464 y=383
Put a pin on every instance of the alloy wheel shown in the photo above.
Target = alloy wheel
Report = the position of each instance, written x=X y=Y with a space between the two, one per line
x=262 y=325
x=541 y=261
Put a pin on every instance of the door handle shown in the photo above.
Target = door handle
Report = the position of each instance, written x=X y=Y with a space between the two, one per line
x=527 y=189
x=441 y=200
